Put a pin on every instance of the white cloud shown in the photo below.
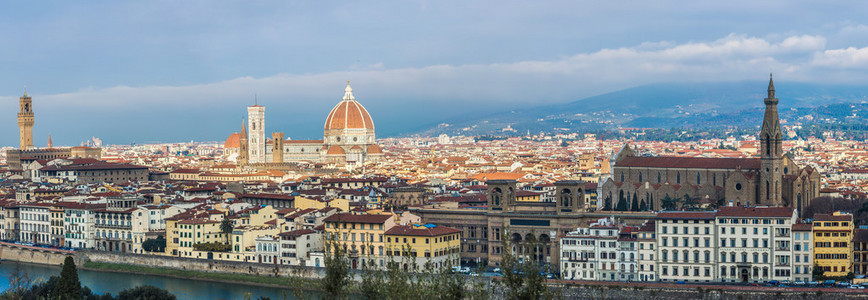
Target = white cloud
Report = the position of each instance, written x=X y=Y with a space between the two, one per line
x=733 y=57
x=497 y=85
x=849 y=58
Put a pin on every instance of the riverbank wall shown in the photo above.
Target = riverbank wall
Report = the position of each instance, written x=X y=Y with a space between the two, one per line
x=201 y=265
x=34 y=255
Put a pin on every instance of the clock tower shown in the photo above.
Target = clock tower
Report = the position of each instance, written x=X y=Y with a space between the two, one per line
x=25 y=121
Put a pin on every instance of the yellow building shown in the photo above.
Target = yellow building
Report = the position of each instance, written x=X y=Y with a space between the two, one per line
x=197 y=231
x=361 y=235
x=527 y=196
x=833 y=239
x=425 y=243
x=306 y=203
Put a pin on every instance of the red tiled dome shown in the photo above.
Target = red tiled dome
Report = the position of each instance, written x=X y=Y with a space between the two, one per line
x=233 y=141
x=349 y=114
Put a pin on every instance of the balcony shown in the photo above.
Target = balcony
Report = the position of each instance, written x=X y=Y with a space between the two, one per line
x=779 y=234
x=779 y=248
x=114 y=226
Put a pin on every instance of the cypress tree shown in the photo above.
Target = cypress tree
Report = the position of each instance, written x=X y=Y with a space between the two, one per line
x=643 y=206
x=622 y=205
x=68 y=287
x=634 y=206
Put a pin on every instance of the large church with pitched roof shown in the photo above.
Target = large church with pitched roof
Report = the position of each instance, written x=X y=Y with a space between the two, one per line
x=348 y=137
x=772 y=179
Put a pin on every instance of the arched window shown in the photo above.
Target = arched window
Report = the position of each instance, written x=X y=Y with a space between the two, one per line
x=714 y=179
x=658 y=177
x=698 y=178
x=640 y=176
x=678 y=178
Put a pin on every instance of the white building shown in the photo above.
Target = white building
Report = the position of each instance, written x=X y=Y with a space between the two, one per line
x=685 y=246
x=150 y=218
x=297 y=246
x=755 y=243
x=35 y=223
x=803 y=260
x=114 y=225
x=647 y=262
x=627 y=255
x=256 y=137
x=78 y=225
x=590 y=253
x=267 y=250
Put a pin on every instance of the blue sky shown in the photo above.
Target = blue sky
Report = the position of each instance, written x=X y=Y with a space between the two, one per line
x=184 y=70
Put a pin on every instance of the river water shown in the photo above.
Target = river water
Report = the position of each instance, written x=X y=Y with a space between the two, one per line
x=109 y=282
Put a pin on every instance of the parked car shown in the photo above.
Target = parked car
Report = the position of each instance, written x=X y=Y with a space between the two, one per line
x=813 y=282
x=799 y=282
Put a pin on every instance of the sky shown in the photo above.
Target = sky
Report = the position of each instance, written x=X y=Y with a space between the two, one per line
x=172 y=71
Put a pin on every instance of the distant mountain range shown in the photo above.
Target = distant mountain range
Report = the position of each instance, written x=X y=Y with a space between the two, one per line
x=670 y=105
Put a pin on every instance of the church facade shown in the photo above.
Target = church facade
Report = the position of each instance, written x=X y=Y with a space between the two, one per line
x=772 y=179
x=348 y=137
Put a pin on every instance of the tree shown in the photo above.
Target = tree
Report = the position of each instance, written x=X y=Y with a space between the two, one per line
x=68 y=287
x=622 y=204
x=522 y=277
x=667 y=203
x=145 y=292
x=337 y=269
x=634 y=206
x=608 y=203
x=643 y=206
x=212 y=247
x=818 y=273
x=226 y=227
x=19 y=283
x=155 y=245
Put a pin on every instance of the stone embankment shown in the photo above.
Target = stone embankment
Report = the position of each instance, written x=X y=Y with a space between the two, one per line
x=33 y=254
x=201 y=265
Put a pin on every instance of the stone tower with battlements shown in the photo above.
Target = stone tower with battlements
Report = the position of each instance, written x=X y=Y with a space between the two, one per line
x=25 y=121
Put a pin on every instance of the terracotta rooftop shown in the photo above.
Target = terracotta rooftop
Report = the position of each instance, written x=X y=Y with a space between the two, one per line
x=354 y=218
x=755 y=212
x=412 y=230
x=686 y=215
x=689 y=162
x=829 y=217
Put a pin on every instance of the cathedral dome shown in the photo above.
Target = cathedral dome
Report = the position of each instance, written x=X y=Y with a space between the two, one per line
x=349 y=114
x=233 y=141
